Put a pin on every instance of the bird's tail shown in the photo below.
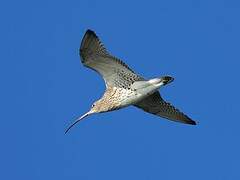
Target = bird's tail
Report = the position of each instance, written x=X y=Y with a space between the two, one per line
x=167 y=79
x=162 y=80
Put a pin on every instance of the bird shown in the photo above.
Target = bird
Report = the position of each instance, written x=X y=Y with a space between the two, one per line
x=124 y=87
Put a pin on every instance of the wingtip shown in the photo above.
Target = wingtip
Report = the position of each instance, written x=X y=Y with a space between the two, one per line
x=88 y=34
x=192 y=122
x=89 y=31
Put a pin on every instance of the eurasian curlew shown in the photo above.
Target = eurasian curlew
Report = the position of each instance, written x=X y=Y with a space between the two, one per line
x=123 y=86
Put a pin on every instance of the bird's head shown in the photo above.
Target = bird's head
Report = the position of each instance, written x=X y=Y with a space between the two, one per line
x=100 y=106
x=97 y=107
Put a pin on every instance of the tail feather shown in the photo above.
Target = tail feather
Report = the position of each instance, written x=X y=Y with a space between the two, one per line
x=162 y=80
x=167 y=79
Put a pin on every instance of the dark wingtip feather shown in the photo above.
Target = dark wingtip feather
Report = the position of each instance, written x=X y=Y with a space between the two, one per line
x=86 y=35
x=191 y=122
x=88 y=42
x=90 y=31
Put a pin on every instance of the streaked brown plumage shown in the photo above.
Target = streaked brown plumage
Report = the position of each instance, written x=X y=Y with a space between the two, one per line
x=123 y=86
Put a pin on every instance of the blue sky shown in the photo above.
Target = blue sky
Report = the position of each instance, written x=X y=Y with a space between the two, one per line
x=44 y=88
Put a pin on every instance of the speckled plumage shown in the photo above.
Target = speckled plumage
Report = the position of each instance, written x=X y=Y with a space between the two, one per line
x=112 y=99
x=123 y=86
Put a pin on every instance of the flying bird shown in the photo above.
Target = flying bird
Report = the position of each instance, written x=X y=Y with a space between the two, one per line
x=123 y=86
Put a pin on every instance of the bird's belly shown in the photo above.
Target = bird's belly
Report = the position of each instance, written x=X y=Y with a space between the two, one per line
x=131 y=97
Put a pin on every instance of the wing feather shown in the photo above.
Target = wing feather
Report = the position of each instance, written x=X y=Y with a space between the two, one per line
x=154 y=104
x=95 y=56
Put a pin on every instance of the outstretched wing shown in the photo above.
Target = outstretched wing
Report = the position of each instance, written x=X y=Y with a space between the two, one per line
x=156 y=105
x=95 y=56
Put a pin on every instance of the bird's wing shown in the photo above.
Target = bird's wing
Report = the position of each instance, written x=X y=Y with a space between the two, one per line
x=95 y=56
x=156 y=105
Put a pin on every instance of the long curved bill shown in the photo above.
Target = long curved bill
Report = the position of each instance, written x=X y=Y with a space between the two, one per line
x=76 y=121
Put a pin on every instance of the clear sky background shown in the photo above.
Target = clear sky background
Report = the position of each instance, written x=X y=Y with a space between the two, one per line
x=44 y=87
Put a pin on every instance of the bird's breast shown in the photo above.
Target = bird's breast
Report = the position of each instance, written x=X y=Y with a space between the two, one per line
x=117 y=98
x=127 y=97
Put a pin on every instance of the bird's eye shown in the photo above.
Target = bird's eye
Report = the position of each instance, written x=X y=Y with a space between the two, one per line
x=93 y=105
